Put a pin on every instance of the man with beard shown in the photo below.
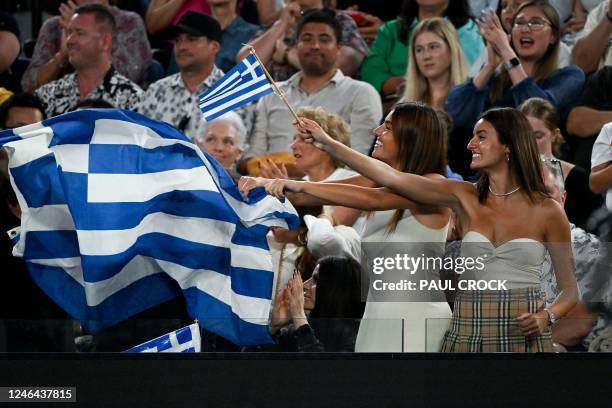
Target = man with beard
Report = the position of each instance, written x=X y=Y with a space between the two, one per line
x=320 y=84
x=174 y=99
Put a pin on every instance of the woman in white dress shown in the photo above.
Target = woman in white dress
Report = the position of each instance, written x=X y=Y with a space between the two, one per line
x=412 y=140
x=507 y=207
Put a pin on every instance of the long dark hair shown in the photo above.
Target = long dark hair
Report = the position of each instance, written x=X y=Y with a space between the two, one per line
x=515 y=132
x=421 y=138
x=545 y=65
x=338 y=289
x=458 y=12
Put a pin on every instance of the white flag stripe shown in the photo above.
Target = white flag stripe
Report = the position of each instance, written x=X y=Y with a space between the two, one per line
x=213 y=283
x=235 y=100
x=27 y=150
x=224 y=83
x=35 y=129
x=49 y=218
x=110 y=242
x=106 y=131
x=195 y=336
x=73 y=158
x=111 y=188
x=212 y=100
x=251 y=257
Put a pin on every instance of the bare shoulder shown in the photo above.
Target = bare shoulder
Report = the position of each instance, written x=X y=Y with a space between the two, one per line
x=552 y=209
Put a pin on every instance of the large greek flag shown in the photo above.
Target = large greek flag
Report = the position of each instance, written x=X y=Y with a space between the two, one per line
x=241 y=85
x=121 y=213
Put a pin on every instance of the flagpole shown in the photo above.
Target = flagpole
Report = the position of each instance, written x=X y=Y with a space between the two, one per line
x=277 y=90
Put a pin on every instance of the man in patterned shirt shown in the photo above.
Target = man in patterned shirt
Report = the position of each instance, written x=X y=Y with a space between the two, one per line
x=174 y=99
x=581 y=325
x=89 y=42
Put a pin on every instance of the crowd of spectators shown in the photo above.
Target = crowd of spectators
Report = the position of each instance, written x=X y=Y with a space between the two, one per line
x=344 y=65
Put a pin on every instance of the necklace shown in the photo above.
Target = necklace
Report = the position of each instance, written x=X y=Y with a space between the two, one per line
x=503 y=194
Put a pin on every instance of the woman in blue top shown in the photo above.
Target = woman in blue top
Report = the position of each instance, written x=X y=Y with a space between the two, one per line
x=386 y=65
x=517 y=69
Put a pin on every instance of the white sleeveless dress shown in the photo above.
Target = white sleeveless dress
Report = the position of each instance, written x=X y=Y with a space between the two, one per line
x=424 y=323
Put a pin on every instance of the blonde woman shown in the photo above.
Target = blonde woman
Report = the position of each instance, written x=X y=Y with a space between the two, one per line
x=436 y=62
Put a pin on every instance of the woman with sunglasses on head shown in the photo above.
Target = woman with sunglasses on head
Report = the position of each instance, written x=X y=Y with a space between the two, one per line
x=544 y=120
x=510 y=220
x=518 y=68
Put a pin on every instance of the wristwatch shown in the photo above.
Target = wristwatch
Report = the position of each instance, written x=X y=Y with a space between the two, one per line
x=512 y=63
x=551 y=316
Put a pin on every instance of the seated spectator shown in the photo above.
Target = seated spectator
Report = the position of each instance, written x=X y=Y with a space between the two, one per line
x=507 y=11
x=435 y=64
x=319 y=83
x=386 y=65
x=581 y=325
x=592 y=49
x=601 y=165
x=276 y=45
x=89 y=42
x=591 y=112
x=174 y=99
x=131 y=53
x=333 y=297
x=11 y=67
x=235 y=32
x=20 y=110
x=224 y=139
x=517 y=69
x=580 y=202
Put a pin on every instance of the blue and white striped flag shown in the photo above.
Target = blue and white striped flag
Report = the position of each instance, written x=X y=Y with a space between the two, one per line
x=184 y=340
x=118 y=208
x=241 y=85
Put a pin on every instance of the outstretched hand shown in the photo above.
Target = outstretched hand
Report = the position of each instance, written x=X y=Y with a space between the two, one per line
x=247 y=183
x=310 y=131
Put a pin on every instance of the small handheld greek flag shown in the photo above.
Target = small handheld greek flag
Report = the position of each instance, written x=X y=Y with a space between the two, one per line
x=241 y=85
x=184 y=340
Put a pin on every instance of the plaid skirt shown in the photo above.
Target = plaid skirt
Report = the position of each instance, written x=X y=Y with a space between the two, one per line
x=485 y=321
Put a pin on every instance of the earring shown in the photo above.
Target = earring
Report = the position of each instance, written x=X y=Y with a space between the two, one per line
x=507 y=156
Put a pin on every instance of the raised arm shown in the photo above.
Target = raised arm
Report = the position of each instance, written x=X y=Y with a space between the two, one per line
x=442 y=192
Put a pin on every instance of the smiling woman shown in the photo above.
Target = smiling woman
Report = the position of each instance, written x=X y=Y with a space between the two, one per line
x=509 y=217
x=517 y=69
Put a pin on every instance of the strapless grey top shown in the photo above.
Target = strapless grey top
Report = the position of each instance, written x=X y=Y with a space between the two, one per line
x=518 y=261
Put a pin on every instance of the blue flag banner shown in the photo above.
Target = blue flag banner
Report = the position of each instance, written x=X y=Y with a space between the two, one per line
x=121 y=213
x=184 y=340
x=241 y=85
